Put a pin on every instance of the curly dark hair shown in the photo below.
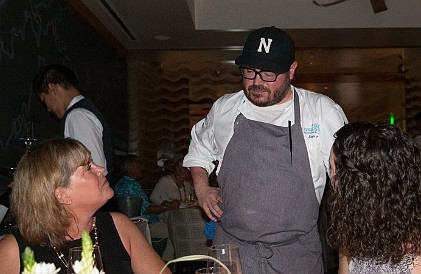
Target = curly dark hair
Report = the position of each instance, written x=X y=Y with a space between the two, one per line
x=376 y=202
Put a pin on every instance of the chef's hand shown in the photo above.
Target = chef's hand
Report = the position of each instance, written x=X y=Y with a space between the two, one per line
x=209 y=200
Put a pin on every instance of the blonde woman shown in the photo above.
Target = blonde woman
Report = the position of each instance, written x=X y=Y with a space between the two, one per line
x=56 y=194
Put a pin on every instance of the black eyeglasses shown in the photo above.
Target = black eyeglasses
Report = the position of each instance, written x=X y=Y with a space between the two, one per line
x=250 y=74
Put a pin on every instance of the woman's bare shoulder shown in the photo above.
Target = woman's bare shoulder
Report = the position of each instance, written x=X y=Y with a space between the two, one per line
x=9 y=254
x=8 y=242
x=125 y=226
x=118 y=215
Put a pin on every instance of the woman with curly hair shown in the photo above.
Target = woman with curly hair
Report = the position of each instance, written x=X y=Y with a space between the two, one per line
x=375 y=220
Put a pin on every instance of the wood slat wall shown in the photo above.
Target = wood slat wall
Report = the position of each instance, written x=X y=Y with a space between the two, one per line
x=413 y=90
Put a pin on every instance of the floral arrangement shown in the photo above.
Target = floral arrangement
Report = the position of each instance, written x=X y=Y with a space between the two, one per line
x=84 y=266
x=32 y=267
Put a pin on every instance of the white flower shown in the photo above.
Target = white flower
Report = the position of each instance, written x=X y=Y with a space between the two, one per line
x=85 y=266
x=32 y=267
x=95 y=271
x=42 y=268
x=77 y=267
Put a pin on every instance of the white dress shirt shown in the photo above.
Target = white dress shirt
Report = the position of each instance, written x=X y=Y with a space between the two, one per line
x=82 y=125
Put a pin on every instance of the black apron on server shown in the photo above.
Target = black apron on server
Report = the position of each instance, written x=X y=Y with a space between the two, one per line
x=270 y=206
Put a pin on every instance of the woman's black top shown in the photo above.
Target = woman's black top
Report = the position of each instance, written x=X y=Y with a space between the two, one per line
x=114 y=256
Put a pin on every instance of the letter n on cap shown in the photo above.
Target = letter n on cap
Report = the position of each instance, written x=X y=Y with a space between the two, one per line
x=264 y=44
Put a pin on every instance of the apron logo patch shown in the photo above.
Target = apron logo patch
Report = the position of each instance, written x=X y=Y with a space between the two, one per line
x=314 y=129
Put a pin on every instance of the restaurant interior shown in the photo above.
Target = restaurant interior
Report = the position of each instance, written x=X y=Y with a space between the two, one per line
x=359 y=53
x=155 y=67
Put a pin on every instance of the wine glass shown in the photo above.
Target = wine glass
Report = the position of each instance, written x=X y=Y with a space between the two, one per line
x=75 y=254
x=228 y=254
x=212 y=270
x=28 y=134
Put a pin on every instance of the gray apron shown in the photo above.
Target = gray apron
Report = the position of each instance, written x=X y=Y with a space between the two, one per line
x=270 y=206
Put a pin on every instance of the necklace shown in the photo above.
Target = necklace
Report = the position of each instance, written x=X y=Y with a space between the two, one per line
x=61 y=255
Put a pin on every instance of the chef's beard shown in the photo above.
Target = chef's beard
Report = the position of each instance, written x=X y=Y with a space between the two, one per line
x=273 y=97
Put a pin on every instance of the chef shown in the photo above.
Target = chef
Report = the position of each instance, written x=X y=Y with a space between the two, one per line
x=272 y=141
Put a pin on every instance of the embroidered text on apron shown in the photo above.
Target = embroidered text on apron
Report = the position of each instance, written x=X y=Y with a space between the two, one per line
x=270 y=206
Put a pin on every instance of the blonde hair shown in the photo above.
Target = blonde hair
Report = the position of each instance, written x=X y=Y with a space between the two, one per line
x=40 y=217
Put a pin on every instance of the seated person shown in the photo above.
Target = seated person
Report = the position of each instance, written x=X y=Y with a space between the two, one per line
x=56 y=194
x=374 y=205
x=129 y=185
x=167 y=166
x=175 y=186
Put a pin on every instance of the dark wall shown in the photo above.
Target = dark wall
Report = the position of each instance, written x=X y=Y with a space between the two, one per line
x=38 y=32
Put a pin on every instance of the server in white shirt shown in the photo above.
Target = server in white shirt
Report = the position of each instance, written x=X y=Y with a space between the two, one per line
x=58 y=88
x=272 y=141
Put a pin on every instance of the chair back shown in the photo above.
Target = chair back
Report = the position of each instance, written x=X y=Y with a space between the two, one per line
x=185 y=229
x=143 y=226
x=130 y=205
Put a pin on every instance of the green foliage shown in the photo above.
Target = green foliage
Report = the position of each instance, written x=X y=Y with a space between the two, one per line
x=28 y=258
x=87 y=259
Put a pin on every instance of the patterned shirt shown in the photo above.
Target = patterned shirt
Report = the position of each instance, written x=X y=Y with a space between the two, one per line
x=363 y=266
x=127 y=186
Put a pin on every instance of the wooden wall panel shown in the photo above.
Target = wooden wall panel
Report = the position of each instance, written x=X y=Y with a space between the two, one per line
x=413 y=90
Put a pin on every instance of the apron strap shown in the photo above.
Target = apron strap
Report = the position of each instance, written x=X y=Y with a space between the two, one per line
x=297 y=118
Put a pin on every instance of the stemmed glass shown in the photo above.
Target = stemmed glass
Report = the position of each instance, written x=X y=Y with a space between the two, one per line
x=75 y=254
x=28 y=134
x=228 y=254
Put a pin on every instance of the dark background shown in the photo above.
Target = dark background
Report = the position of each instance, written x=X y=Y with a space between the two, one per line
x=34 y=33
